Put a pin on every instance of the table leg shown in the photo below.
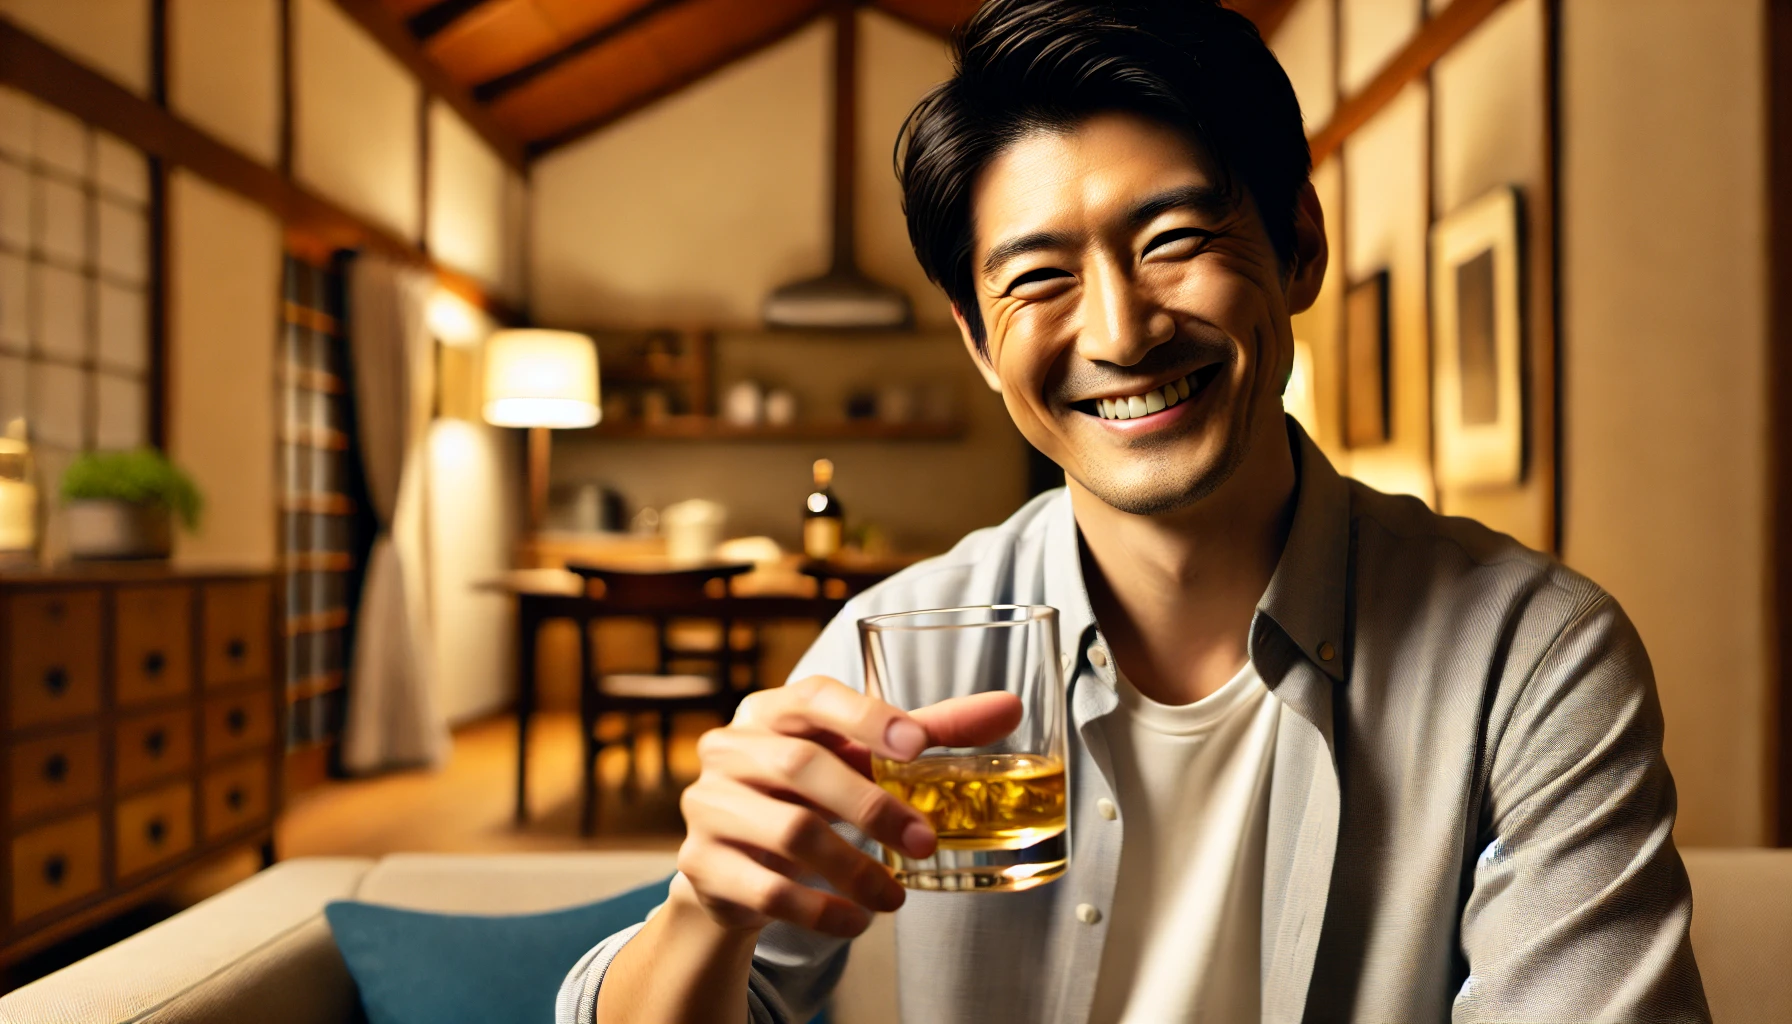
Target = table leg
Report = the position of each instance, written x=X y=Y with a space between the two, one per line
x=528 y=624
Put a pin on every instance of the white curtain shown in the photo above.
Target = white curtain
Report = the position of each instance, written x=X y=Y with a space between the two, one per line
x=392 y=717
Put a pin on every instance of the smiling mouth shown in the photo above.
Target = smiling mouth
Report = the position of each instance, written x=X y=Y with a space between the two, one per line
x=1128 y=407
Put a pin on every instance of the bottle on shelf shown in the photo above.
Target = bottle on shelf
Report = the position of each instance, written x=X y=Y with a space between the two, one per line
x=823 y=520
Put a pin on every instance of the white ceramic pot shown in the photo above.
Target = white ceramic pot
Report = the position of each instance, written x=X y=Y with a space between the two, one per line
x=99 y=529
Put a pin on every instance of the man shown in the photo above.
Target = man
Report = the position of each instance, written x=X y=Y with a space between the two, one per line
x=1333 y=757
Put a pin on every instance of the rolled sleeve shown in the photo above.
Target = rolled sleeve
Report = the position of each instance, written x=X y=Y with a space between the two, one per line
x=1580 y=906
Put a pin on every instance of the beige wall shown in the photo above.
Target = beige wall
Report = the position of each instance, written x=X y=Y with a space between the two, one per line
x=1664 y=451
x=224 y=70
x=1373 y=31
x=1385 y=227
x=355 y=118
x=224 y=295
x=1303 y=43
x=695 y=208
x=467 y=215
x=111 y=36
x=691 y=210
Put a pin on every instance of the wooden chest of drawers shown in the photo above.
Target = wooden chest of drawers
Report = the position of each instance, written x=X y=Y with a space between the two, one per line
x=140 y=729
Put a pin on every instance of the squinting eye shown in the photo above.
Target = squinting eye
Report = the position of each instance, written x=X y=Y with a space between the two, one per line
x=1038 y=284
x=1176 y=244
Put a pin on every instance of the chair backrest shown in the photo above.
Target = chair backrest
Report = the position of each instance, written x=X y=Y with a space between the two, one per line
x=1742 y=931
x=683 y=590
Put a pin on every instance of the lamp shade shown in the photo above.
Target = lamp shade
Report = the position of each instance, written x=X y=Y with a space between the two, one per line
x=538 y=378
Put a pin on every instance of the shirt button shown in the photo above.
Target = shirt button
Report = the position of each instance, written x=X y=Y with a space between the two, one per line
x=1106 y=809
x=1086 y=913
x=1069 y=662
x=1098 y=656
x=1326 y=652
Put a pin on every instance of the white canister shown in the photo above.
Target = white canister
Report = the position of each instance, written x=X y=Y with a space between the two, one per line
x=780 y=408
x=693 y=530
x=744 y=404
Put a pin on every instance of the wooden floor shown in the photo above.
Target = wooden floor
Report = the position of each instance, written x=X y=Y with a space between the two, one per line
x=464 y=807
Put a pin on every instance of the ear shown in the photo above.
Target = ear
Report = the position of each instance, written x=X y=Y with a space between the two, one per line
x=1310 y=252
x=977 y=357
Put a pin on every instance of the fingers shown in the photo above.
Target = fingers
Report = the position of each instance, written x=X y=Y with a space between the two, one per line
x=724 y=812
x=786 y=765
x=819 y=704
x=753 y=890
x=970 y=721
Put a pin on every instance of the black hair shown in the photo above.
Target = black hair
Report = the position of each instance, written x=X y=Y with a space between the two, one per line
x=1026 y=65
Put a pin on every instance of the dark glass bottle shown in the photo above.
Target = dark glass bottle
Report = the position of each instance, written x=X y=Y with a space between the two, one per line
x=823 y=520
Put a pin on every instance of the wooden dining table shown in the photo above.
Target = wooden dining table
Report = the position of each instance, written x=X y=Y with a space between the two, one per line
x=789 y=589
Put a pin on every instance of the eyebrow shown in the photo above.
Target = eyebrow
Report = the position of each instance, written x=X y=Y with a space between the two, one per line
x=1206 y=199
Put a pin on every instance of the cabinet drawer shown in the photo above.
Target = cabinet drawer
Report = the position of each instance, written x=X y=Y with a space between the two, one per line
x=152 y=647
x=55 y=639
x=236 y=795
x=238 y=722
x=149 y=747
x=54 y=864
x=154 y=827
x=55 y=773
x=234 y=631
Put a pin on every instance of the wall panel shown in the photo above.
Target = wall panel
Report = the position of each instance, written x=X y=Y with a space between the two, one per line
x=111 y=36
x=224 y=299
x=355 y=111
x=1371 y=32
x=224 y=71
x=1306 y=45
x=1490 y=119
x=466 y=198
x=1385 y=227
x=1664 y=412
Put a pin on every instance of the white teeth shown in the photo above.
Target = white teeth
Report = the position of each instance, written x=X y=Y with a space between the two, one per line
x=1145 y=404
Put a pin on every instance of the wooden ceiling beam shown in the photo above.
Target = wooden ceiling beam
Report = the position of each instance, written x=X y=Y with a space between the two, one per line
x=438 y=16
x=488 y=91
x=390 y=33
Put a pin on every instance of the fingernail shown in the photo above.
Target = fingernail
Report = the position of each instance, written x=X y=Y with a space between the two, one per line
x=917 y=840
x=905 y=739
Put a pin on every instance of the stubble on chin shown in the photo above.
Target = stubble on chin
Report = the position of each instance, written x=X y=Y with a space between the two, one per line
x=1163 y=480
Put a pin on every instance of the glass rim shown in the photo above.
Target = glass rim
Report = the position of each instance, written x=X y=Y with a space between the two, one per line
x=888 y=622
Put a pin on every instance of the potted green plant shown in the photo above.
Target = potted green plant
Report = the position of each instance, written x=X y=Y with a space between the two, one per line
x=121 y=504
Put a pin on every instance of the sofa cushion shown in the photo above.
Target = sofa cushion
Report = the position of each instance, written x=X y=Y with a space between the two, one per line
x=508 y=883
x=414 y=967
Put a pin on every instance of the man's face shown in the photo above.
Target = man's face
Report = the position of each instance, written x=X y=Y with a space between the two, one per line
x=1135 y=311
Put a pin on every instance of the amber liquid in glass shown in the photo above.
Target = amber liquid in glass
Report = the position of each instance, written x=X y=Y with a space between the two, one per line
x=999 y=817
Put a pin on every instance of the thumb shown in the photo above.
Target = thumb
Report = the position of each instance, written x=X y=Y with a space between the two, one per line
x=970 y=721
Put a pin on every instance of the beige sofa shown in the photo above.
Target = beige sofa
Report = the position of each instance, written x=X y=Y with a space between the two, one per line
x=261 y=951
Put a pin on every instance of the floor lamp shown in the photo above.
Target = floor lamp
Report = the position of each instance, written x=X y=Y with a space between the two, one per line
x=542 y=380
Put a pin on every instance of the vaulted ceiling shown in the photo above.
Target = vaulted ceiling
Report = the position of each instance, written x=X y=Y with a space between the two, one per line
x=548 y=71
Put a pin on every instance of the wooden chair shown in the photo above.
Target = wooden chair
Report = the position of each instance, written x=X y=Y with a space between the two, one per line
x=660 y=595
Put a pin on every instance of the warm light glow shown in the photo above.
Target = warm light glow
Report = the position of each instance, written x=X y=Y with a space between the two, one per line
x=453 y=320
x=537 y=378
x=1297 y=397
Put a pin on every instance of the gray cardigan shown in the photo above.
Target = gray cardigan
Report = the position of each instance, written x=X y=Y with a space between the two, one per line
x=1470 y=817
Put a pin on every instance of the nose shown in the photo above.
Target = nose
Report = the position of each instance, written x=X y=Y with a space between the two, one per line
x=1120 y=323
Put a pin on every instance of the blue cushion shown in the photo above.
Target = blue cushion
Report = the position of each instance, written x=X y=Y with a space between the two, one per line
x=418 y=968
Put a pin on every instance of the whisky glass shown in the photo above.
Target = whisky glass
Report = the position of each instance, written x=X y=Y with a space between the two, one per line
x=999 y=809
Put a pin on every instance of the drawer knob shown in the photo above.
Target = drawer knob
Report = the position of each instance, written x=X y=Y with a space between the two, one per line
x=236 y=721
x=55 y=768
x=237 y=649
x=155 y=830
x=234 y=798
x=56 y=680
x=155 y=741
x=55 y=869
x=154 y=663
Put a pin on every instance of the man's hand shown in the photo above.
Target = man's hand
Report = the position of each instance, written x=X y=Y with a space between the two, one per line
x=794 y=760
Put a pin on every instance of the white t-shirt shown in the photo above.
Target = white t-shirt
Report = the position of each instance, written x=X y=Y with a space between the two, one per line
x=1192 y=783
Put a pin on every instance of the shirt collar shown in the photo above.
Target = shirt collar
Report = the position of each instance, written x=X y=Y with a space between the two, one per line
x=1306 y=594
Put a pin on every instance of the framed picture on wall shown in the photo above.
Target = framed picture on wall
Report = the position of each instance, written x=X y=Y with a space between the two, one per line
x=1366 y=362
x=1477 y=331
